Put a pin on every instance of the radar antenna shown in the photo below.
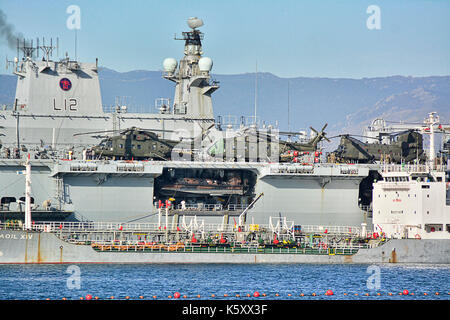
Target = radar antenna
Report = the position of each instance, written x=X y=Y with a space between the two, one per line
x=193 y=39
x=27 y=47
x=48 y=49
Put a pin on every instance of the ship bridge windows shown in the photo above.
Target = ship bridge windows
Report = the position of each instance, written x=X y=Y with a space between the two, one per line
x=396 y=179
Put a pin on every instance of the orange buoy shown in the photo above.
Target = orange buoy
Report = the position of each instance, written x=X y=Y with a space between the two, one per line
x=238 y=295
x=225 y=295
x=176 y=295
x=314 y=294
x=141 y=297
x=127 y=297
x=248 y=294
x=301 y=294
x=213 y=295
x=437 y=293
x=154 y=297
x=289 y=294
x=170 y=297
x=425 y=294
x=198 y=296
x=366 y=294
x=265 y=294
x=277 y=295
x=88 y=297
x=64 y=298
x=256 y=294
x=112 y=297
x=184 y=296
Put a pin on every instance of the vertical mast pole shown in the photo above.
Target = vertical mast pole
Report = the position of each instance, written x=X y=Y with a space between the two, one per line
x=256 y=89
x=28 y=194
x=289 y=107
x=167 y=221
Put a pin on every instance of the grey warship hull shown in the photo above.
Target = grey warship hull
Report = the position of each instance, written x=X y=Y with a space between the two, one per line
x=121 y=191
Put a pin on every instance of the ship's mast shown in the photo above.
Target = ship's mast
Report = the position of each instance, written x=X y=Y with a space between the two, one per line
x=256 y=89
x=192 y=77
x=431 y=121
x=28 y=194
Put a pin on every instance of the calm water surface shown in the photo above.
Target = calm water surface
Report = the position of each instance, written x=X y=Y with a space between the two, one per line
x=27 y=282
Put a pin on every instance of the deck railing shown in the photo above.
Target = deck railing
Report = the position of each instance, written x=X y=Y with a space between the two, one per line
x=136 y=247
x=87 y=227
x=420 y=168
x=210 y=207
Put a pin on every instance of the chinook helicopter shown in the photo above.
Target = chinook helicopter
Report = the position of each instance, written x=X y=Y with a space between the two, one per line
x=405 y=146
x=134 y=144
x=250 y=141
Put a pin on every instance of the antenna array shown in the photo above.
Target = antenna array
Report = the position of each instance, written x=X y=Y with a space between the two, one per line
x=29 y=49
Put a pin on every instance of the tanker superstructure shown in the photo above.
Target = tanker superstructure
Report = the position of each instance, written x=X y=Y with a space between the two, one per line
x=57 y=117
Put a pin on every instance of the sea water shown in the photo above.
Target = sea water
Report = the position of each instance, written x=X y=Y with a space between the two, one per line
x=225 y=281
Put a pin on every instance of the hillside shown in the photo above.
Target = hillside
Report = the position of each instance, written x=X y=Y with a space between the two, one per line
x=347 y=105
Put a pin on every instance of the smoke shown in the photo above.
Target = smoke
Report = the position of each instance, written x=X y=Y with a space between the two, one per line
x=7 y=32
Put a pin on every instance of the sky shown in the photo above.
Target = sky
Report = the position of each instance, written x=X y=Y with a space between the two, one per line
x=289 y=38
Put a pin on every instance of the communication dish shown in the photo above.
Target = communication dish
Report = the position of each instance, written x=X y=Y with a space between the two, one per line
x=205 y=64
x=169 y=65
x=194 y=22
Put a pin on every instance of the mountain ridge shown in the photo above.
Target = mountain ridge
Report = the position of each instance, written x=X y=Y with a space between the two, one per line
x=346 y=104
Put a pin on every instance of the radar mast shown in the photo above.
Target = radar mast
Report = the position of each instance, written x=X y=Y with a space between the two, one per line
x=192 y=76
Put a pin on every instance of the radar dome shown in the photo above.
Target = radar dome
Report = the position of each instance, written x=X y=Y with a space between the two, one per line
x=205 y=64
x=194 y=22
x=169 y=65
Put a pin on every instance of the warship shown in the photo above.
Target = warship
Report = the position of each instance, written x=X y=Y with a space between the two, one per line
x=180 y=186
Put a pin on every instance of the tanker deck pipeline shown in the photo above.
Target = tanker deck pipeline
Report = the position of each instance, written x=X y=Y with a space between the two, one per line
x=283 y=237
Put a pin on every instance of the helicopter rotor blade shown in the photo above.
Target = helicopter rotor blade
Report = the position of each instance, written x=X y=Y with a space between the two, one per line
x=93 y=132
x=314 y=130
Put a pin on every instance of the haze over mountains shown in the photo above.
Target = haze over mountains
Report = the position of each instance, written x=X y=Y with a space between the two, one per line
x=347 y=105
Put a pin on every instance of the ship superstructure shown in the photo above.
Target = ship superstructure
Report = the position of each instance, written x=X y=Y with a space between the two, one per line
x=58 y=104
x=412 y=202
